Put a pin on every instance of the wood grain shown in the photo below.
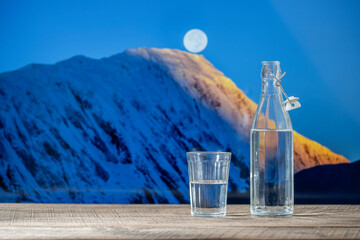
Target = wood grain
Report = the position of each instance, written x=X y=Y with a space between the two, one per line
x=72 y=221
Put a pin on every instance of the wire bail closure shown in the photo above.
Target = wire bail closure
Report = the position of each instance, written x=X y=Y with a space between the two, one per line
x=291 y=102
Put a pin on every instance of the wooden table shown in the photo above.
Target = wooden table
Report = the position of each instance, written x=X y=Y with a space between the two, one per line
x=61 y=221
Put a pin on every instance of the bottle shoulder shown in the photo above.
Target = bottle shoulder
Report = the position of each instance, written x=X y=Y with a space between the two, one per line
x=271 y=114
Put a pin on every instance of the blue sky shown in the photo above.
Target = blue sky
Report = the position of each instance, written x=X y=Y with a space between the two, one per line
x=317 y=42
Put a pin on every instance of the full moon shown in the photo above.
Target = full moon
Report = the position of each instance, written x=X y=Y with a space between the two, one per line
x=195 y=40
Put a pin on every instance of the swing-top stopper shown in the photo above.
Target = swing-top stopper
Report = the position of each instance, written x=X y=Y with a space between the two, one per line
x=291 y=102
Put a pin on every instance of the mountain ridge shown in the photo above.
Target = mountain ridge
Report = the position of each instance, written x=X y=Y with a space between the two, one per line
x=242 y=121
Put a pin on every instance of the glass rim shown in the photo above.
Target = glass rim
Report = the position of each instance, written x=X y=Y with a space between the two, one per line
x=208 y=153
x=212 y=156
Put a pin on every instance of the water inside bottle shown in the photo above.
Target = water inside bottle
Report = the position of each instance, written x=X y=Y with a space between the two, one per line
x=272 y=154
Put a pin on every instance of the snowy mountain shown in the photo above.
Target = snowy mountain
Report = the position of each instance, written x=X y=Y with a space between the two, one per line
x=116 y=130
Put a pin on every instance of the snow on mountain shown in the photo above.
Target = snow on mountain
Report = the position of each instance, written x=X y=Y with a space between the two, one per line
x=116 y=130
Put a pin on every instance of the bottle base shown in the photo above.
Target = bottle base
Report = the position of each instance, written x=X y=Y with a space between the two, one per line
x=272 y=212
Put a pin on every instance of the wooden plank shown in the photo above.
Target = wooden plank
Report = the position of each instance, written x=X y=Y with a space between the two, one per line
x=62 y=221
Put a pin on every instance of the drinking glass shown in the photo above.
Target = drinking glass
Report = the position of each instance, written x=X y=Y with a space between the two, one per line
x=208 y=177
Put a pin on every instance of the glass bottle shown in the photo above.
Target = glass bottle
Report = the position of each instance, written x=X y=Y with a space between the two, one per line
x=271 y=147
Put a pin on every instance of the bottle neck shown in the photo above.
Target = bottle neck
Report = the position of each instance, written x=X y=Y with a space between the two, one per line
x=269 y=87
x=269 y=71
